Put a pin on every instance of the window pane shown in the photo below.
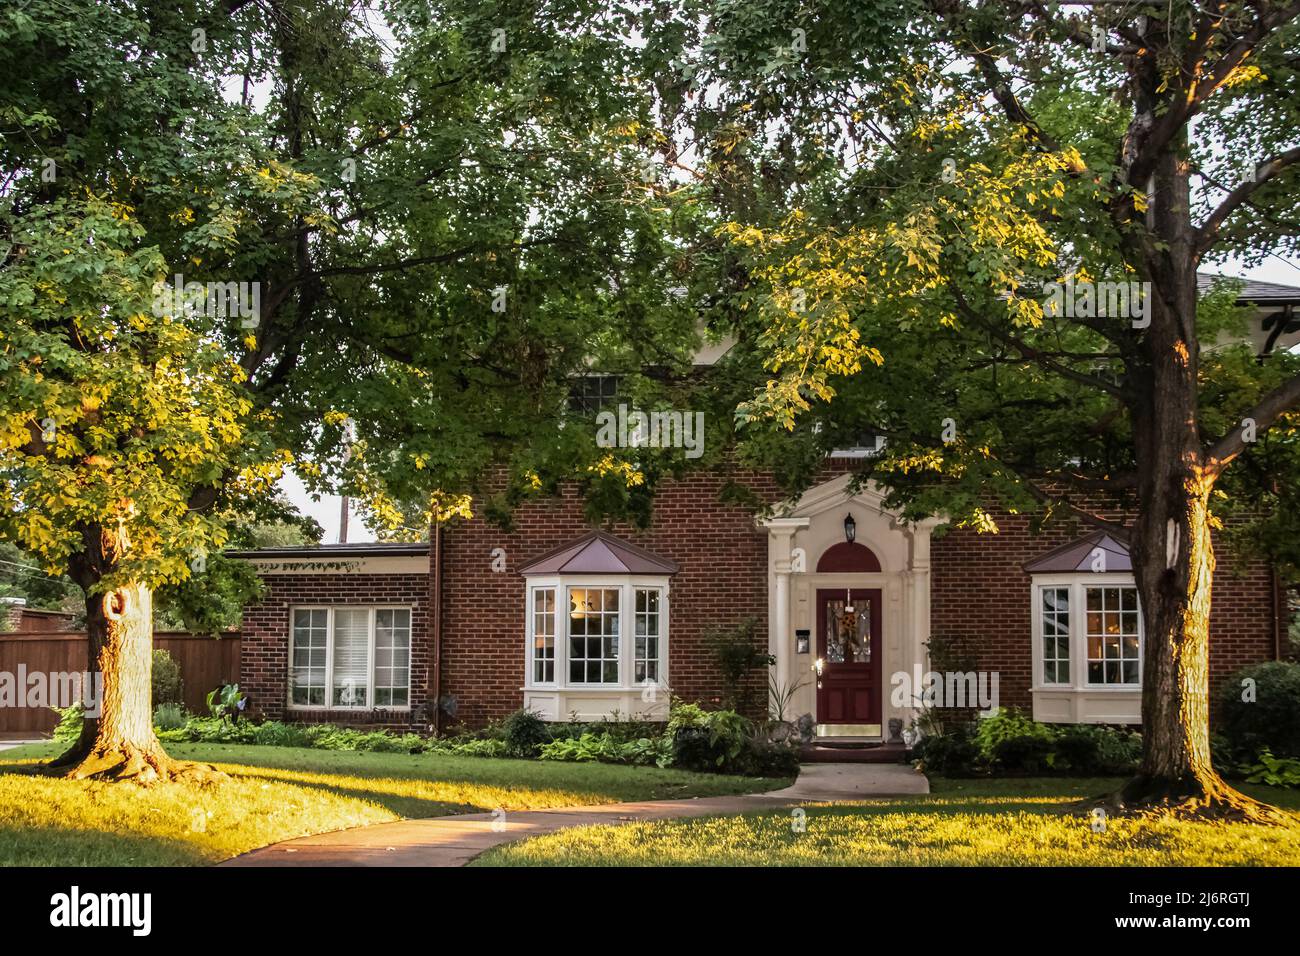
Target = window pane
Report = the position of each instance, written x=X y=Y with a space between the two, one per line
x=593 y=635
x=351 y=656
x=392 y=657
x=1055 y=613
x=1113 y=632
x=309 y=645
x=647 y=628
x=544 y=635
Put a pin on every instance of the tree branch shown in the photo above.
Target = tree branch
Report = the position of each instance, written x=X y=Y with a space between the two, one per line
x=1281 y=399
x=1208 y=233
x=1029 y=353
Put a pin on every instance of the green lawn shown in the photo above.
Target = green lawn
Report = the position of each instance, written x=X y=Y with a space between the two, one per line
x=962 y=823
x=276 y=793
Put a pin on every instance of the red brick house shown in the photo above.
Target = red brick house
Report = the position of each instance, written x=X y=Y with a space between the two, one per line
x=571 y=621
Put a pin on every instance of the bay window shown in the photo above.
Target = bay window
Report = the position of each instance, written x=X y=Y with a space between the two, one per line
x=602 y=633
x=350 y=657
x=1087 y=648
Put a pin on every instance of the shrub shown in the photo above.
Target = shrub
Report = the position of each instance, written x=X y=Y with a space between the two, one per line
x=471 y=747
x=644 y=751
x=1274 y=771
x=761 y=757
x=706 y=740
x=1271 y=721
x=622 y=730
x=70 y=720
x=1096 y=749
x=1012 y=741
x=524 y=733
x=1005 y=725
x=950 y=754
x=226 y=702
x=166 y=680
x=737 y=656
x=589 y=747
x=169 y=716
x=1120 y=751
x=1027 y=753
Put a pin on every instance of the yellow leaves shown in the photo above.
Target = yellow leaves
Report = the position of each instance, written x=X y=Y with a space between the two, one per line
x=444 y=506
x=609 y=465
x=1242 y=75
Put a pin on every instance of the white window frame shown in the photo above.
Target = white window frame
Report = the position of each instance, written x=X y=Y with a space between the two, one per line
x=627 y=585
x=1078 y=583
x=370 y=658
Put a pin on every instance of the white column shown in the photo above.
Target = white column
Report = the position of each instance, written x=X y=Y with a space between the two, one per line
x=780 y=544
x=782 y=637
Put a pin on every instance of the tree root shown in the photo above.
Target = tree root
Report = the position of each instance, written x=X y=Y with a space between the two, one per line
x=1204 y=798
x=123 y=763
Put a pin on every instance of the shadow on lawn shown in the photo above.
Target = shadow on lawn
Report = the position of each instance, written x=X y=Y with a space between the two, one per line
x=404 y=805
x=75 y=846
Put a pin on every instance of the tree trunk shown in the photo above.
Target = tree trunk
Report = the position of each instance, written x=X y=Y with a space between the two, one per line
x=117 y=739
x=1173 y=555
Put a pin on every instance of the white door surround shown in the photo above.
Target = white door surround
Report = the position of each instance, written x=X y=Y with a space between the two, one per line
x=799 y=532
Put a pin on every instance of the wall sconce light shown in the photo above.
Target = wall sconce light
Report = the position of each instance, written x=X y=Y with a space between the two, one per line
x=850 y=528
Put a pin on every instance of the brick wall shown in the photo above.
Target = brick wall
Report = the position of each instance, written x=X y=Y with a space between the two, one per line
x=980 y=595
x=264 y=659
x=722 y=581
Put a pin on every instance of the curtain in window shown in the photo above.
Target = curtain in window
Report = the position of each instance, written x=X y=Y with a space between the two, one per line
x=351 y=656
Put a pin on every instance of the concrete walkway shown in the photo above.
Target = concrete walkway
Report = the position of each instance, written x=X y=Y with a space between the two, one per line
x=11 y=744
x=455 y=840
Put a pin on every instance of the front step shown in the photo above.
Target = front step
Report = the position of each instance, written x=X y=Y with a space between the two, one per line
x=852 y=753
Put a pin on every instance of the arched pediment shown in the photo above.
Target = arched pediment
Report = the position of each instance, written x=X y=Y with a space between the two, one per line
x=848 y=557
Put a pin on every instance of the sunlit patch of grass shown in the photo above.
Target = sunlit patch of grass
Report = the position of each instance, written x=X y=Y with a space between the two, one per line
x=955 y=827
x=277 y=793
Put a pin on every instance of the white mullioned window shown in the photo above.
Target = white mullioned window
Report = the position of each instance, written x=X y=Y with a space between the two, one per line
x=594 y=631
x=543 y=636
x=1055 y=610
x=589 y=631
x=350 y=657
x=645 y=660
x=1114 y=636
x=1087 y=632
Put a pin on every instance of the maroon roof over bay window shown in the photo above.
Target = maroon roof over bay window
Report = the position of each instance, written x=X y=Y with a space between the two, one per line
x=1078 y=556
x=599 y=553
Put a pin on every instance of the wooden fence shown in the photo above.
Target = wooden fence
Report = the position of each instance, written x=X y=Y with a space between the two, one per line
x=206 y=662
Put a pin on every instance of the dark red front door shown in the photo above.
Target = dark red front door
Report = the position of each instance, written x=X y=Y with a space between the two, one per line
x=848 y=643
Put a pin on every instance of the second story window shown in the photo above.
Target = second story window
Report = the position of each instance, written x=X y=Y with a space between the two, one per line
x=590 y=394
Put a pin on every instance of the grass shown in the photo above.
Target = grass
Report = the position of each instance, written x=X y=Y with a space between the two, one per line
x=962 y=823
x=277 y=793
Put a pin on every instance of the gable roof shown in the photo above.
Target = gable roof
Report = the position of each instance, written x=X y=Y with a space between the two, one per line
x=1252 y=290
x=599 y=552
x=1078 y=556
